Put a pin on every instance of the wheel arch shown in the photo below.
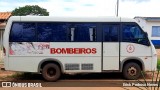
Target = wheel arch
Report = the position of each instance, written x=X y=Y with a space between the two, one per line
x=132 y=59
x=49 y=60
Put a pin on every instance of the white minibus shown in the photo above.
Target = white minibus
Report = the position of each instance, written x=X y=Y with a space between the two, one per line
x=54 y=46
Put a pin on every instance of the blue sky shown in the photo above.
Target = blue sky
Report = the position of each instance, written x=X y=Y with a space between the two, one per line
x=128 y=8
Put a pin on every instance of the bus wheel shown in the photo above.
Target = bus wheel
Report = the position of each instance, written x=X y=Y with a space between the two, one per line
x=131 y=71
x=51 y=72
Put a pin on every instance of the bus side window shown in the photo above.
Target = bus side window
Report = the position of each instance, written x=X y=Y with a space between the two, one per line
x=23 y=31
x=110 y=33
x=59 y=32
x=44 y=31
x=133 y=33
x=84 y=32
x=52 y=32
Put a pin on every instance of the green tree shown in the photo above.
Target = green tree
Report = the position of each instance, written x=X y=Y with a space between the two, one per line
x=30 y=10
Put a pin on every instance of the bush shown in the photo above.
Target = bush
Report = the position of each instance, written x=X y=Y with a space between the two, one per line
x=158 y=64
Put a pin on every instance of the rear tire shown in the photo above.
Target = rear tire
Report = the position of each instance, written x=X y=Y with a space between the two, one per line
x=131 y=71
x=51 y=72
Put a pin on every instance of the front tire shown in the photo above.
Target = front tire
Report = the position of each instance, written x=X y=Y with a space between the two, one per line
x=51 y=72
x=131 y=71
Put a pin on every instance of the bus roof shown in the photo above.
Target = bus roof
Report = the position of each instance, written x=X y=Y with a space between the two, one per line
x=70 y=19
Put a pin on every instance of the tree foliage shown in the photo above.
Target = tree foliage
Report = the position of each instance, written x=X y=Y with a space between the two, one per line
x=30 y=10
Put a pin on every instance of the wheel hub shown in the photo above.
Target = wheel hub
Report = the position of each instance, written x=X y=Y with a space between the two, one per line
x=51 y=72
x=132 y=71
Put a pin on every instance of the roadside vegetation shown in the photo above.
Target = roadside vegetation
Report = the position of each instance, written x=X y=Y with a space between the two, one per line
x=158 y=63
x=21 y=76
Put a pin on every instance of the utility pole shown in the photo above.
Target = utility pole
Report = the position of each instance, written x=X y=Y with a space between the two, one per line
x=117 y=7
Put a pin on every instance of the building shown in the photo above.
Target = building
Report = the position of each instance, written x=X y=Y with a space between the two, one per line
x=4 y=16
x=152 y=26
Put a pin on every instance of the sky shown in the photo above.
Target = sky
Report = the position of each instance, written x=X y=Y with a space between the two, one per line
x=89 y=8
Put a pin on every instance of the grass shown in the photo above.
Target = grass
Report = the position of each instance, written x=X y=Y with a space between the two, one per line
x=158 y=64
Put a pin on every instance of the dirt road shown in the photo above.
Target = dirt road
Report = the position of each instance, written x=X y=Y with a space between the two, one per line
x=109 y=81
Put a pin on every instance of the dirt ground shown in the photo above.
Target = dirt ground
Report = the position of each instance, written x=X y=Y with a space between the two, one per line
x=78 y=88
x=4 y=74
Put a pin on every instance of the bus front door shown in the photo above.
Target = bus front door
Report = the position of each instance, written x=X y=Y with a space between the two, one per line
x=110 y=49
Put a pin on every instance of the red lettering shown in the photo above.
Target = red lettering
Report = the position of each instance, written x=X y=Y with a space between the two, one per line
x=64 y=51
x=58 y=50
x=68 y=50
x=76 y=51
x=80 y=51
x=73 y=51
x=88 y=50
x=83 y=50
x=52 y=51
x=94 y=51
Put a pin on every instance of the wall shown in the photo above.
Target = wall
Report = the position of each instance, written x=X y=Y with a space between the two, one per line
x=149 y=25
x=1 y=43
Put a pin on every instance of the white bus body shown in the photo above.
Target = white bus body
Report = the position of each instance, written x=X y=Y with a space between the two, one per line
x=55 y=45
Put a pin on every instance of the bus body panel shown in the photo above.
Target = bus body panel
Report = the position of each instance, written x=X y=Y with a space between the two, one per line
x=110 y=56
x=61 y=51
x=27 y=65
x=133 y=49
x=72 y=19
x=143 y=52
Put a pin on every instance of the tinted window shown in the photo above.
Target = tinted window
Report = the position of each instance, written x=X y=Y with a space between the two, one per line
x=84 y=32
x=44 y=31
x=25 y=32
x=59 y=32
x=132 y=33
x=52 y=32
x=110 y=33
